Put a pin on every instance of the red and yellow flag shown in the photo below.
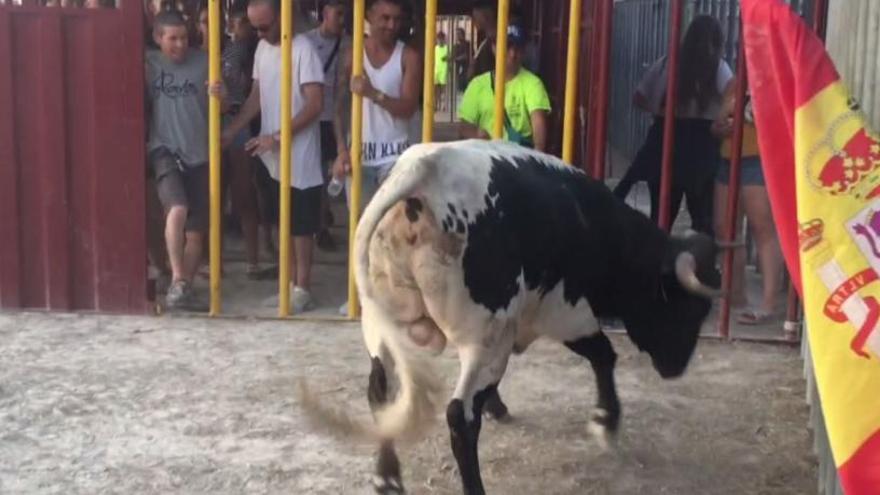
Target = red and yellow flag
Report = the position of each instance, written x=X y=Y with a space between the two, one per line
x=822 y=168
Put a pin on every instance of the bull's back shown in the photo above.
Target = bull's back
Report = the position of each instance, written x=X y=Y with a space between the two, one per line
x=527 y=221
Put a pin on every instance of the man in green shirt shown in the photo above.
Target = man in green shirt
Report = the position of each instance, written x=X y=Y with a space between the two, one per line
x=526 y=102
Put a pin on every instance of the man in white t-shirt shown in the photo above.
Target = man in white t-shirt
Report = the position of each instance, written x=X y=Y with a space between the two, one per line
x=306 y=107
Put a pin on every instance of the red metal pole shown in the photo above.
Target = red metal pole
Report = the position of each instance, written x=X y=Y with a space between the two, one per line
x=820 y=17
x=664 y=217
x=606 y=9
x=791 y=327
x=733 y=190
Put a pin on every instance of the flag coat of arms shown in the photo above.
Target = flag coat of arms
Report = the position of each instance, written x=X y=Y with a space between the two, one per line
x=822 y=167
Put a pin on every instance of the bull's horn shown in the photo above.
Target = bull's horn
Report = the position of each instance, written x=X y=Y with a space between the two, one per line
x=686 y=271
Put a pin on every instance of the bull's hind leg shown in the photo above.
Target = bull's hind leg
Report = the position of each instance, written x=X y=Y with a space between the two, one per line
x=495 y=407
x=606 y=416
x=480 y=373
x=387 y=480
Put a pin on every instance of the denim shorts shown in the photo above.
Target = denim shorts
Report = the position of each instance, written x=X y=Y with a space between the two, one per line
x=750 y=172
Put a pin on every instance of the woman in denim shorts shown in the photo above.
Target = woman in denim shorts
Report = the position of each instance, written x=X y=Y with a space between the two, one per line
x=754 y=205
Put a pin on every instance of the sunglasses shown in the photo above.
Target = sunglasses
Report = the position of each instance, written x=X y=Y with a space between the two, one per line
x=265 y=28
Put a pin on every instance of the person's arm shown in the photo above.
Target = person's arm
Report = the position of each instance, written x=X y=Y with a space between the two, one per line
x=218 y=89
x=538 y=106
x=342 y=164
x=656 y=75
x=249 y=110
x=539 y=129
x=466 y=130
x=342 y=100
x=469 y=113
x=406 y=105
x=722 y=126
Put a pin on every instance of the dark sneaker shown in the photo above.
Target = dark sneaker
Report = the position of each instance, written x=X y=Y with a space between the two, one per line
x=177 y=294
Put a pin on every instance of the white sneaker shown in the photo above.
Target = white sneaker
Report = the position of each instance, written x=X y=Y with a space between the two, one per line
x=301 y=300
x=343 y=310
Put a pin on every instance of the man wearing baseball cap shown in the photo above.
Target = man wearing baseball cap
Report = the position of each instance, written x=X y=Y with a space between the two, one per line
x=526 y=102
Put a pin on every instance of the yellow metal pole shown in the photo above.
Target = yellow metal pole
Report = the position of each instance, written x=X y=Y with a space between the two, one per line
x=500 y=67
x=284 y=162
x=571 y=72
x=357 y=111
x=428 y=90
x=214 y=157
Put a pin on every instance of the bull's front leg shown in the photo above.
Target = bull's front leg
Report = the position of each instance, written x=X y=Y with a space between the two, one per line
x=606 y=416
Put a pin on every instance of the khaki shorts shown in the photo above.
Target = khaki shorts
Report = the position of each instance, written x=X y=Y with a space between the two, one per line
x=179 y=184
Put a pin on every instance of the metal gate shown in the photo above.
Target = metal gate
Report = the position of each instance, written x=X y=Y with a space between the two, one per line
x=641 y=29
x=72 y=173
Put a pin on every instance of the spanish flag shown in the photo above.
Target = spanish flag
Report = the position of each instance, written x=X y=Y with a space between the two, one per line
x=822 y=168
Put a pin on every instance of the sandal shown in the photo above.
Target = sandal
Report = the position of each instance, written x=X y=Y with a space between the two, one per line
x=753 y=317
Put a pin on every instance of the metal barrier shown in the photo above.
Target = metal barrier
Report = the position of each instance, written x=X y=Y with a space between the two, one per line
x=72 y=213
x=214 y=76
x=640 y=26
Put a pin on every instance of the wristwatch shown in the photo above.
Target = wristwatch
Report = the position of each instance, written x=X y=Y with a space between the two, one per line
x=379 y=97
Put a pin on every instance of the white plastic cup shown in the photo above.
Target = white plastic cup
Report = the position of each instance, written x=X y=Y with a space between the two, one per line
x=335 y=187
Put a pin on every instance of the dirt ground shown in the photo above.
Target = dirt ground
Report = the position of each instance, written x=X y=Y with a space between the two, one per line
x=101 y=404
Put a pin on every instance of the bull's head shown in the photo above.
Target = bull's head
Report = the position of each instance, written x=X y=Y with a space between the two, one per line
x=668 y=328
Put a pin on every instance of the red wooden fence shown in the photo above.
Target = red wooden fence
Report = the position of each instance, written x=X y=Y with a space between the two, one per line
x=72 y=173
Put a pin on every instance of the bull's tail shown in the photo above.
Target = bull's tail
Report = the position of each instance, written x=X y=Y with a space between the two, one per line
x=415 y=407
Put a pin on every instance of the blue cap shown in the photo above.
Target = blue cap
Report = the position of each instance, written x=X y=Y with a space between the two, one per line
x=516 y=36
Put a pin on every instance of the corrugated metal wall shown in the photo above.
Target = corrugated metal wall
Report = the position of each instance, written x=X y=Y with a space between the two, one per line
x=829 y=484
x=640 y=37
x=853 y=37
x=72 y=193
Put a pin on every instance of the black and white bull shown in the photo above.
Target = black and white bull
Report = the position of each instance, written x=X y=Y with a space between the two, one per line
x=488 y=246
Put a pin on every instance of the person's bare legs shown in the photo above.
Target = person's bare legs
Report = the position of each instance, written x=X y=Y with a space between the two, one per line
x=174 y=241
x=738 y=296
x=757 y=208
x=192 y=254
x=157 y=250
x=301 y=263
x=244 y=201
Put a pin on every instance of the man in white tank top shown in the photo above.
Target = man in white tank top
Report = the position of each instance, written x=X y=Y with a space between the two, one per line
x=390 y=87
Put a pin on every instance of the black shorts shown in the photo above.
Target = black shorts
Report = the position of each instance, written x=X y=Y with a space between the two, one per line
x=328 y=148
x=182 y=186
x=305 y=219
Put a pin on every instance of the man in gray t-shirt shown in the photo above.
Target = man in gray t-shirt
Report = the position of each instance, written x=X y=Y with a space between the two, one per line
x=177 y=148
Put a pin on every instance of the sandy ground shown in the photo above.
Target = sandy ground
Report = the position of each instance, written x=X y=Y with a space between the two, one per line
x=100 y=404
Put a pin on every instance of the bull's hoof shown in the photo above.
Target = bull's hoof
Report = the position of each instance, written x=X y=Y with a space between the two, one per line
x=496 y=410
x=388 y=486
x=603 y=426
